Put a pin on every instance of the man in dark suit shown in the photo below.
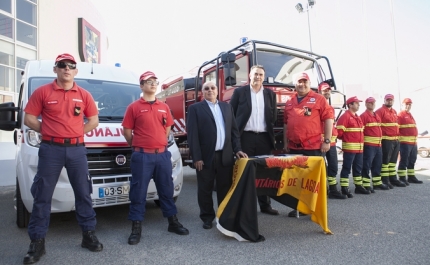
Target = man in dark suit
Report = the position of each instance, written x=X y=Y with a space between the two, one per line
x=255 y=111
x=212 y=138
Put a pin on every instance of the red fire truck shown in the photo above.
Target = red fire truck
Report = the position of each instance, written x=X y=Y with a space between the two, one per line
x=231 y=69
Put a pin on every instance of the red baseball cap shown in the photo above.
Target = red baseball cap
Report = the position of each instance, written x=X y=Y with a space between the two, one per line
x=370 y=100
x=324 y=86
x=353 y=99
x=407 y=101
x=301 y=76
x=389 y=96
x=145 y=76
x=65 y=56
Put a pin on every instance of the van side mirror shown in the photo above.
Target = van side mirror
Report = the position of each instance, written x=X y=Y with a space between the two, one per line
x=7 y=116
x=229 y=67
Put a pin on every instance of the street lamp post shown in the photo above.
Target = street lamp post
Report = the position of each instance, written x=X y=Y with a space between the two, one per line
x=300 y=9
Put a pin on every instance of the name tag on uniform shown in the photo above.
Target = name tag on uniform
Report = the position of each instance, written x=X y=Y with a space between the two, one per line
x=53 y=102
x=77 y=100
x=143 y=110
x=161 y=110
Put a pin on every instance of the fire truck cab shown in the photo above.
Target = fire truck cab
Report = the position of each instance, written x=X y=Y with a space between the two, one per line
x=230 y=70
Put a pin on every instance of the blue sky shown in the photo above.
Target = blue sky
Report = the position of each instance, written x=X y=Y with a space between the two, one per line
x=171 y=37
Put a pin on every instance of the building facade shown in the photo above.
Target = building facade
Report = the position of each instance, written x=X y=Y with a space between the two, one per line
x=42 y=29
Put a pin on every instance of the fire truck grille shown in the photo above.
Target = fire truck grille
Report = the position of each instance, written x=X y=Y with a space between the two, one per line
x=102 y=164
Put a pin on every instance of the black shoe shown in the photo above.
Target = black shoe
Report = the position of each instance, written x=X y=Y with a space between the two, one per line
x=386 y=182
x=90 y=241
x=335 y=194
x=370 y=189
x=414 y=179
x=293 y=213
x=394 y=181
x=136 y=232
x=35 y=251
x=345 y=191
x=381 y=187
x=403 y=179
x=176 y=227
x=360 y=190
x=207 y=225
x=270 y=211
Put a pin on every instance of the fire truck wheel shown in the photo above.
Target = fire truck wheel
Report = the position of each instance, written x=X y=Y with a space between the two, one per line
x=157 y=202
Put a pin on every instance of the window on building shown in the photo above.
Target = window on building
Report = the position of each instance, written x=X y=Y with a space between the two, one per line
x=6 y=53
x=5 y=98
x=6 y=26
x=26 y=33
x=34 y=1
x=6 y=78
x=20 y=62
x=6 y=5
x=26 y=11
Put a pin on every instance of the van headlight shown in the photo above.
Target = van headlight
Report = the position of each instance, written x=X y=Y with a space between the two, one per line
x=170 y=139
x=34 y=138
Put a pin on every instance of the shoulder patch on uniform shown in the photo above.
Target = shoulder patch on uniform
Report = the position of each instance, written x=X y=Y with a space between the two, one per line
x=77 y=100
x=312 y=99
x=143 y=110
x=162 y=110
x=52 y=102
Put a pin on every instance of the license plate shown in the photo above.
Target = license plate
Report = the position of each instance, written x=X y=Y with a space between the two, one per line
x=114 y=191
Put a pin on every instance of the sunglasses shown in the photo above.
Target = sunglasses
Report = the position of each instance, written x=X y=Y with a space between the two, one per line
x=209 y=87
x=63 y=65
x=150 y=82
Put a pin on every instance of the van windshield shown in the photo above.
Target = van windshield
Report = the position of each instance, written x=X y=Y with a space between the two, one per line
x=111 y=98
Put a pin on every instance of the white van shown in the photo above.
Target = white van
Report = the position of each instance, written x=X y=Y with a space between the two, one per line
x=113 y=89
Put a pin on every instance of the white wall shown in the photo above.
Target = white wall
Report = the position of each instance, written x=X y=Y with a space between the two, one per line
x=58 y=27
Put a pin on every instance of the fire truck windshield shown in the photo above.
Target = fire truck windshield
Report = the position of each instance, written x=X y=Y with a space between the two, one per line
x=111 y=98
x=282 y=67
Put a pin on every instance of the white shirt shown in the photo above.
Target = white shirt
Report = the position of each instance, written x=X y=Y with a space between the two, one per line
x=220 y=126
x=256 y=122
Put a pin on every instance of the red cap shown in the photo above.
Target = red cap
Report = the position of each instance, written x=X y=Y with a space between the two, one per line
x=301 y=76
x=324 y=86
x=389 y=96
x=353 y=99
x=370 y=100
x=145 y=76
x=407 y=101
x=65 y=56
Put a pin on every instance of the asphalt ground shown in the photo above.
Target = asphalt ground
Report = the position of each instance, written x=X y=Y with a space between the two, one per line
x=388 y=227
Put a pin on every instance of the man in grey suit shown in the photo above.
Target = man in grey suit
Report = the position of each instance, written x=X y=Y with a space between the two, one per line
x=255 y=110
x=213 y=139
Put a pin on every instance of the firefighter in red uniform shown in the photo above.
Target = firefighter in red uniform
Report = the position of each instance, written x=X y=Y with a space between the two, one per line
x=146 y=126
x=331 y=155
x=304 y=113
x=62 y=105
x=390 y=142
x=372 y=150
x=408 y=144
x=350 y=131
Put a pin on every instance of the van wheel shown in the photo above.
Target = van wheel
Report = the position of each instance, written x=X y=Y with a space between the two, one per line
x=22 y=215
x=158 y=201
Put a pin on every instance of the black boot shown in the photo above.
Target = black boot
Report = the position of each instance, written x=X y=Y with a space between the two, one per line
x=381 y=187
x=136 y=231
x=394 y=181
x=386 y=182
x=359 y=189
x=333 y=193
x=370 y=189
x=90 y=241
x=35 y=251
x=403 y=179
x=414 y=179
x=345 y=191
x=176 y=227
